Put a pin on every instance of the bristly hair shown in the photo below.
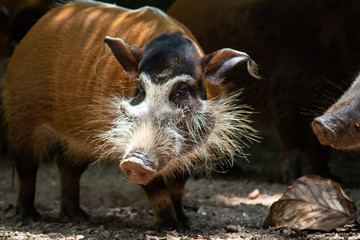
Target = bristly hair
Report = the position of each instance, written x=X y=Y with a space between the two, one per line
x=231 y=134
x=164 y=140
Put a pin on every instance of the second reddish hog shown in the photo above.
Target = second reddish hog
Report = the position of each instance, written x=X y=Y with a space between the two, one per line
x=93 y=81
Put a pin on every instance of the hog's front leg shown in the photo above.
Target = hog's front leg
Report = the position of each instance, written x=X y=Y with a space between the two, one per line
x=176 y=186
x=162 y=204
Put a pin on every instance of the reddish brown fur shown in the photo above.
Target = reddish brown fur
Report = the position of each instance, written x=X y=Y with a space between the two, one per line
x=89 y=89
x=67 y=92
x=40 y=105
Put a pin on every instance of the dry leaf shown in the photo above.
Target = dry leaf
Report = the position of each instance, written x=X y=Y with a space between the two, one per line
x=312 y=203
x=154 y=238
x=173 y=235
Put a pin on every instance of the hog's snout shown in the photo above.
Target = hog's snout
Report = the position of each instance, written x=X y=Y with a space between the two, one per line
x=138 y=168
x=323 y=131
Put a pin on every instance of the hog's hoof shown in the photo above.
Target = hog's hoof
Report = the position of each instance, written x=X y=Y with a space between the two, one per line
x=137 y=170
x=169 y=225
x=28 y=215
x=185 y=223
x=74 y=215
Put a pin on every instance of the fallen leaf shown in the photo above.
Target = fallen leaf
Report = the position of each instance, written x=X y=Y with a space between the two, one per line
x=173 y=235
x=154 y=238
x=312 y=203
x=198 y=236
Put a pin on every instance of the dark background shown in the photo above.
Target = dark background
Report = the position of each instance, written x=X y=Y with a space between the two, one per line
x=308 y=52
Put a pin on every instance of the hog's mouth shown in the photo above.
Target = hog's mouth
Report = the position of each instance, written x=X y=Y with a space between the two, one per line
x=342 y=145
x=346 y=142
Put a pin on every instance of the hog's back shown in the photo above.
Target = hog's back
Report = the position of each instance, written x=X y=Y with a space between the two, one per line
x=62 y=77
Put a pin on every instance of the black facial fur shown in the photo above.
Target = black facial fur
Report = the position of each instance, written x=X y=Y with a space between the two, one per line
x=169 y=55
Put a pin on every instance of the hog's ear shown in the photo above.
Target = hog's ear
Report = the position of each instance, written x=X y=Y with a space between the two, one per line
x=127 y=54
x=217 y=64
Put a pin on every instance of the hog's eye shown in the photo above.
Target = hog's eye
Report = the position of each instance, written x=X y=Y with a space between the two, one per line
x=140 y=90
x=182 y=90
x=139 y=96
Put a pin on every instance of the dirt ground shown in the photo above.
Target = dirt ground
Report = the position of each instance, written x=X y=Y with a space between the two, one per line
x=218 y=208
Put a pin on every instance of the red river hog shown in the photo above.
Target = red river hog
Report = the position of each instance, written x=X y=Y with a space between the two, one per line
x=96 y=82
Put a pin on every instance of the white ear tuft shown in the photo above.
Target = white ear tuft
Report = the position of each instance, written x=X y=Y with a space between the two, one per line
x=127 y=54
x=219 y=63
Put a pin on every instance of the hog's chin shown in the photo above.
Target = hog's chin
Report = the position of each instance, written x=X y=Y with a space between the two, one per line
x=343 y=140
x=346 y=144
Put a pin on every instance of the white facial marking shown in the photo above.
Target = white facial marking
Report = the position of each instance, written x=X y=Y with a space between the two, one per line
x=156 y=102
x=175 y=144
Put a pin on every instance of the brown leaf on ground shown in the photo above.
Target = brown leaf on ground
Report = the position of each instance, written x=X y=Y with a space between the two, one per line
x=312 y=203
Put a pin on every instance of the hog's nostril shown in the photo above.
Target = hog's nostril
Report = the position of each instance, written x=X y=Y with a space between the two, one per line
x=325 y=135
x=138 y=168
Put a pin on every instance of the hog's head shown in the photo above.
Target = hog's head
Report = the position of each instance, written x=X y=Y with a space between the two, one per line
x=173 y=120
x=339 y=126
